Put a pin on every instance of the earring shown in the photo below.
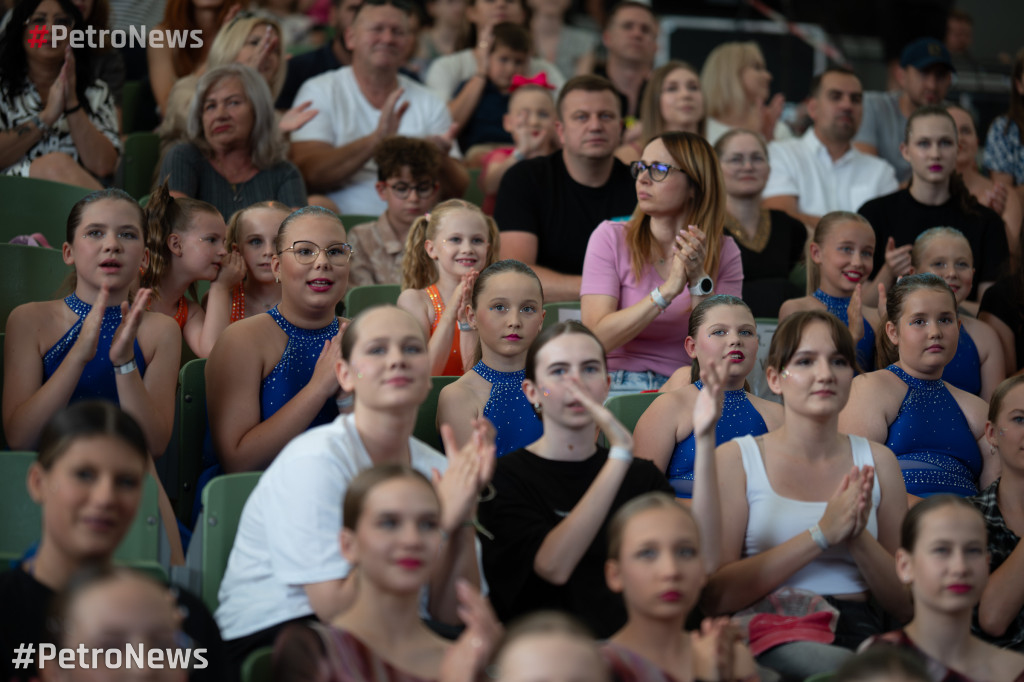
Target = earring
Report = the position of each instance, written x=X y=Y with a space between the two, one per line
x=277 y=279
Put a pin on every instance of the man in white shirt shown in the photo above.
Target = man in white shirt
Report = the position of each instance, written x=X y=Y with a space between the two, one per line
x=362 y=104
x=821 y=171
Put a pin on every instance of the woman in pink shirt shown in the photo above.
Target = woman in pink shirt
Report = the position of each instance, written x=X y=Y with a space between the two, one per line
x=642 y=278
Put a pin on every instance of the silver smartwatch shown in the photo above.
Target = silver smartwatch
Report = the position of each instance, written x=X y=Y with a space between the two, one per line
x=703 y=287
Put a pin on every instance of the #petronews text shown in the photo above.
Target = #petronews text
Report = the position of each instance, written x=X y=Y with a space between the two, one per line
x=135 y=36
x=133 y=656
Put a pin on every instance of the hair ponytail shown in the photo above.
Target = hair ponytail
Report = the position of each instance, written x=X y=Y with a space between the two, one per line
x=418 y=270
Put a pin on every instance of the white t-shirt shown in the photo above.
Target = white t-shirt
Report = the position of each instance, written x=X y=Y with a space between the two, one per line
x=803 y=167
x=447 y=72
x=346 y=115
x=288 y=534
x=714 y=129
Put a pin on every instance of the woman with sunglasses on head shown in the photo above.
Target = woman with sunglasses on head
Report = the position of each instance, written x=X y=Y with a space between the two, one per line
x=641 y=279
x=271 y=376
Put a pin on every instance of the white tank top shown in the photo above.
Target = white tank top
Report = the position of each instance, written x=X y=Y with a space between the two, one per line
x=773 y=519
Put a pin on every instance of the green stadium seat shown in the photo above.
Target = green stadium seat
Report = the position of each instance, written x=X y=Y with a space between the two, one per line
x=628 y=409
x=557 y=312
x=359 y=299
x=426 y=419
x=256 y=667
x=29 y=273
x=136 y=172
x=30 y=205
x=223 y=500
x=192 y=427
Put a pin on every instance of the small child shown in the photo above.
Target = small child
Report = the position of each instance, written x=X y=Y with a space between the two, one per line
x=407 y=170
x=480 y=102
x=531 y=123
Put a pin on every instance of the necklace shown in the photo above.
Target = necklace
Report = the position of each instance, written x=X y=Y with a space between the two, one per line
x=759 y=239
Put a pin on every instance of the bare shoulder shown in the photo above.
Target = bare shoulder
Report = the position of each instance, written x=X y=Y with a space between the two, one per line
x=979 y=331
x=677 y=402
x=771 y=412
x=258 y=336
x=973 y=407
x=1003 y=664
x=470 y=387
x=43 y=321
x=796 y=305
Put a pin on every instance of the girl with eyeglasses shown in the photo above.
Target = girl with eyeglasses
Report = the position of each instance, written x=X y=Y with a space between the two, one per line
x=641 y=279
x=771 y=242
x=271 y=376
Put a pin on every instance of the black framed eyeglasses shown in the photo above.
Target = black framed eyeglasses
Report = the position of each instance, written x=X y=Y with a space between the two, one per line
x=307 y=252
x=657 y=171
x=402 y=189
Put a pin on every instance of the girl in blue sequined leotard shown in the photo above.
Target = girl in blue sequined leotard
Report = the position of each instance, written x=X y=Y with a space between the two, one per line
x=978 y=365
x=932 y=428
x=841 y=254
x=84 y=346
x=722 y=330
x=272 y=376
x=507 y=314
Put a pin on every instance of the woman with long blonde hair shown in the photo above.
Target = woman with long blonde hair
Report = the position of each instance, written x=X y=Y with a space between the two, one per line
x=736 y=88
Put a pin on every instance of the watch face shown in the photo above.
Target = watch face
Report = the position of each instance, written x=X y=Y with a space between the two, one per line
x=705 y=285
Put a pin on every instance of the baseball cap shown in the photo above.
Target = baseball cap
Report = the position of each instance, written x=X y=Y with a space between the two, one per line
x=925 y=52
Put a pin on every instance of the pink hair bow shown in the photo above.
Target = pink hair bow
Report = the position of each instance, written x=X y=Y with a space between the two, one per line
x=540 y=80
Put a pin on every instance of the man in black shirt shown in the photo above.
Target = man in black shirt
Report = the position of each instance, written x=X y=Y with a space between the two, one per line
x=547 y=207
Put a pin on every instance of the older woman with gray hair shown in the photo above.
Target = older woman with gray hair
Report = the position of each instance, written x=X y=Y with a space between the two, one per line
x=235 y=154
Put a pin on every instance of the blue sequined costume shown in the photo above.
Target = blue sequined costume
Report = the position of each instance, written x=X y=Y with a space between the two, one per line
x=509 y=410
x=97 y=381
x=739 y=418
x=933 y=441
x=964 y=370
x=866 y=346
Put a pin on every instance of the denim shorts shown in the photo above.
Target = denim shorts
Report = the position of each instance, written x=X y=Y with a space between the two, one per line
x=625 y=382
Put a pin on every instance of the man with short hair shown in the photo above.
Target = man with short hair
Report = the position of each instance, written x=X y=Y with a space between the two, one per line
x=631 y=39
x=362 y=104
x=331 y=56
x=924 y=76
x=547 y=207
x=821 y=171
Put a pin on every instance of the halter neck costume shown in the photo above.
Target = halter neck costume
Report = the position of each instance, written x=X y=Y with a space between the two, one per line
x=933 y=441
x=295 y=368
x=453 y=368
x=509 y=410
x=866 y=346
x=739 y=418
x=97 y=380
x=964 y=370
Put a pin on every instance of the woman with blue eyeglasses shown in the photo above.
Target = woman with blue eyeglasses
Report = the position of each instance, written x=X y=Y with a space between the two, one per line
x=642 y=278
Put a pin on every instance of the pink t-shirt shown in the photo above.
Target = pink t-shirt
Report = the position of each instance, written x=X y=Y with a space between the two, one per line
x=659 y=347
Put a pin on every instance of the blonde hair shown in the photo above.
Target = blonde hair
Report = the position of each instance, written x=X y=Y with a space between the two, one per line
x=724 y=95
x=230 y=40
x=418 y=269
x=697 y=159
x=165 y=216
x=926 y=237
x=825 y=226
x=235 y=223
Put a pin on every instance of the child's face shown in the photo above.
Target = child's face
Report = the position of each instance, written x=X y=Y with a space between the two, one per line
x=407 y=197
x=504 y=63
x=534 y=111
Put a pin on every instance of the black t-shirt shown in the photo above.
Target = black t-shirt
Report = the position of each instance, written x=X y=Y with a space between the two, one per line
x=533 y=496
x=903 y=218
x=539 y=196
x=25 y=605
x=766 y=282
x=1003 y=300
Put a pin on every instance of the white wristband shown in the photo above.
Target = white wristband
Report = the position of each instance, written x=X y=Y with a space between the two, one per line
x=818 y=536
x=658 y=299
x=620 y=453
x=126 y=368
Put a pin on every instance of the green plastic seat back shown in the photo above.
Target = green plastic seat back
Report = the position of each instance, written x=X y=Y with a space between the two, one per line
x=359 y=299
x=137 y=169
x=21 y=519
x=474 y=191
x=30 y=205
x=3 y=439
x=192 y=427
x=558 y=312
x=628 y=409
x=29 y=273
x=223 y=500
x=426 y=419
x=350 y=220
x=256 y=667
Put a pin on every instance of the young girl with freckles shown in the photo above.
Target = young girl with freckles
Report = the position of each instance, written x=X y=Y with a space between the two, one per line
x=546 y=541
x=185 y=238
x=444 y=252
x=935 y=429
x=722 y=331
x=943 y=559
x=92 y=344
x=393 y=541
x=1000 y=615
x=285 y=564
x=809 y=506
x=88 y=478
x=839 y=262
x=978 y=365
x=655 y=562
x=251 y=232
x=506 y=312
x=272 y=376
